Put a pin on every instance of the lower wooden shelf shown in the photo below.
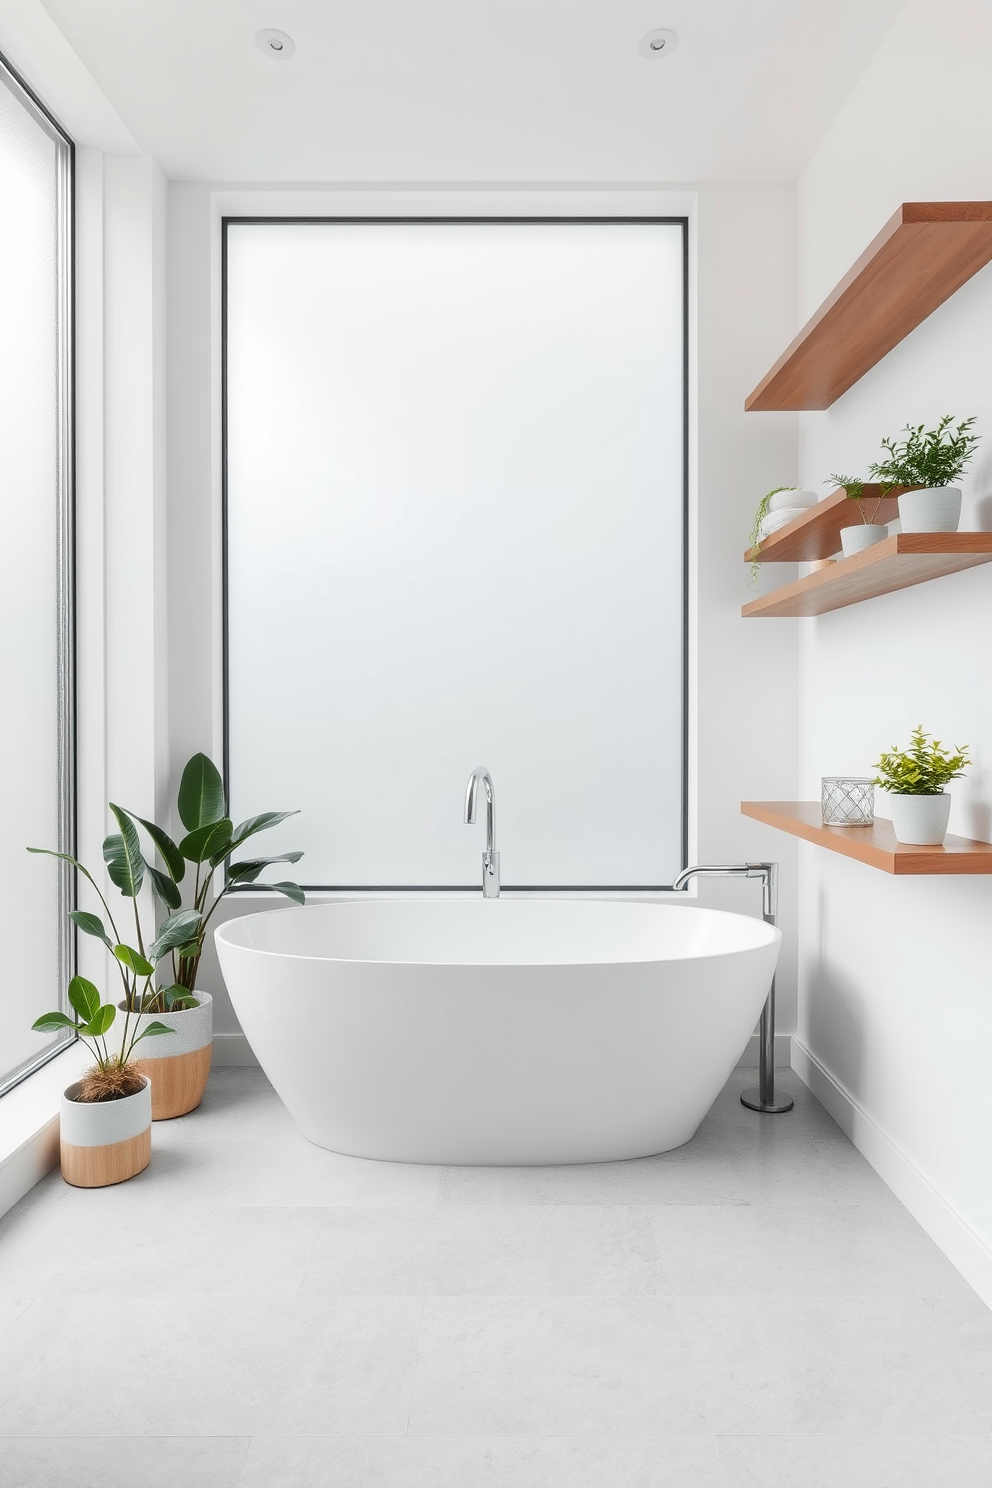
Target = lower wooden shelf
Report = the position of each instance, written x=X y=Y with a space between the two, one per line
x=895 y=563
x=877 y=845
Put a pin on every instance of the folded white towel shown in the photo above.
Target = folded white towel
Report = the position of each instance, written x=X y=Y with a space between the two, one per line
x=774 y=520
x=801 y=500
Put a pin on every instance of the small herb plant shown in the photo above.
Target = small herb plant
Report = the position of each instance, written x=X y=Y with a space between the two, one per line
x=754 y=542
x=855 y=488
x=113 y=1076
x=927 y=457
x=924 y=769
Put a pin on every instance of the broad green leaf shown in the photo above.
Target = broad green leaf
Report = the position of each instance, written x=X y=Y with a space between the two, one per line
x=201 y=794
x=84 y=997
x=152 y=1031
x=215 y=837
x=247 y=871
x=171 y=855
x=165 y=888
x=128 y=956
x=102 y=1020
x=48 y=1022
x=260 y=823
x=175 y=932
x=291 y=890
x=91 y=924
x=122 y=855
x=176 y=994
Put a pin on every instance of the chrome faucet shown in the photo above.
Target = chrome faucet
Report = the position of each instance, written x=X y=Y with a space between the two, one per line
x=762 y=1099
x=490 y=858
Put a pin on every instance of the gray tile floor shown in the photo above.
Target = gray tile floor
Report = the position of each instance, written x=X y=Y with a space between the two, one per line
x=755 y=1309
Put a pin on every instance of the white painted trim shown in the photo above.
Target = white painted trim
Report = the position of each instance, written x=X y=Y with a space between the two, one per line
x=924 y=1200
x=783 y=1052
x=29 y=1124
x=232 y=1049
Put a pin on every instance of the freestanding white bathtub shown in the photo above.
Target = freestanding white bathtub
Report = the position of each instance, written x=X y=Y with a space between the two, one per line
x=497 y=1031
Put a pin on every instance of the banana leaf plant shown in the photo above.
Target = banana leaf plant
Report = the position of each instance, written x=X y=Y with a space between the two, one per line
x=211 y=840
x=210 y=843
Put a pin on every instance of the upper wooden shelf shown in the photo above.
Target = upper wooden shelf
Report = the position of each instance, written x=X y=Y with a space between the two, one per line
x=925 y=252
x=877 y=845
x=816 y=534
x=894 y=563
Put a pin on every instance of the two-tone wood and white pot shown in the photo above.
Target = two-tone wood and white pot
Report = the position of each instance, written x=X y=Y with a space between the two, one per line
x=104 y=1142
x=177 y=1063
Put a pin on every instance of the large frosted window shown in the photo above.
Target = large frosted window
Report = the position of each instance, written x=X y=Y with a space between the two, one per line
x=454 y=527
x=35 y=652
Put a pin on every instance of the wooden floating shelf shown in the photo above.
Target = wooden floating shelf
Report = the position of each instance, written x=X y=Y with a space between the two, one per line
x=923 y=254
x=877 y=845
x=816 y=534
x=895 y=563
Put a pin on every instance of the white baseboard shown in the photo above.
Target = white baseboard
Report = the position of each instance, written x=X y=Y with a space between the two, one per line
x=783 y=1052
x=29 y=1124
x=232 y=1049
x=932 y=1209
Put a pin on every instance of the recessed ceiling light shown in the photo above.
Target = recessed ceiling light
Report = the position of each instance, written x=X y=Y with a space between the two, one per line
x=658 y=43
x=275 y=44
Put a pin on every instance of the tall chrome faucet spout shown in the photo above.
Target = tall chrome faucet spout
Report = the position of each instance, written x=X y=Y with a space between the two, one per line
x=764 y=1098
x=490 y=858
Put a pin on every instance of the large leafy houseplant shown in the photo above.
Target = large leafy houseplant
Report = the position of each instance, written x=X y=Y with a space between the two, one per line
x=927 y=457
x=924 y=769
x=210 y=843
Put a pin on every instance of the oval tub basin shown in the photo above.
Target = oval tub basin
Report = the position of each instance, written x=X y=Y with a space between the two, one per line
x=503 y=1031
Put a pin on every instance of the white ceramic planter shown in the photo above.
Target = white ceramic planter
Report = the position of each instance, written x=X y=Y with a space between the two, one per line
x=920 y=821
x=935 y=509
x=177 y=1063
x=104 y=1142
x=864 y=535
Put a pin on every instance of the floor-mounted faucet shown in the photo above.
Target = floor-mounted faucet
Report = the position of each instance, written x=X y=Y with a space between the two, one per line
x=490 y=858
x=762 y=1099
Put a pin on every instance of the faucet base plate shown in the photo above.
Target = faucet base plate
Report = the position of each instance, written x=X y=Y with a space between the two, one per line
x=752 y=1099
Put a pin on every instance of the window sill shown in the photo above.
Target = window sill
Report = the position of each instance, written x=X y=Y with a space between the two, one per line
x=29 y=1124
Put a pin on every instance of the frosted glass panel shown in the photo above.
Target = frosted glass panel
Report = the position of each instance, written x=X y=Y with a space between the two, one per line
x=32 y=651
x=454 y=529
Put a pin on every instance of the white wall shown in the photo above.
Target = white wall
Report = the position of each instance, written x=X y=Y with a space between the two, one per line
x=744 y=256
x=895 y=1009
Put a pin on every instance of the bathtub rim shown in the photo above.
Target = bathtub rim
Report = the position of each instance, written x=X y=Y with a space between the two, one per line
x=774 y=935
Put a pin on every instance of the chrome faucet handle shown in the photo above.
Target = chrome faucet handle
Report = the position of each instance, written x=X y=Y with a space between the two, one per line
x=490 y=858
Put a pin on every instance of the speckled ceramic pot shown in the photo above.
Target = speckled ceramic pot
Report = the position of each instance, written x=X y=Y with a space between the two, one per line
x=864 y=535
x=932 y=509
x=104 y=1142
x=177 y=1063
x=920 y=821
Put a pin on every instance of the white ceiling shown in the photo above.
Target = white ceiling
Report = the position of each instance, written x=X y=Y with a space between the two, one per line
x=462 y=90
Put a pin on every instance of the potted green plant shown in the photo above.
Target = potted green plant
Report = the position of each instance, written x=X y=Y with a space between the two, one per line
x=106 y=1116
x=179 y=1072
x=930 y=459
x=179 y=1069
x=776 y=509
x=915 y=779
x=863 y=534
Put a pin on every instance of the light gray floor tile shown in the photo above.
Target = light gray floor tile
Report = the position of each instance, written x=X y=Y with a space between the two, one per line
x=490 y=1186
x=810 y=1252
x=698 y=1173
x=449 y=1251
x=238 y=1105
x=782 y=1171
x=598 y=1250
x=121 y=1461
x=196 y=1249
x=211 y=1365
x=862 y=1461
x=567 y=1366
x=783 y=1365
x=484 y=1462
x=968 y=1323
x=298 y=1172
x=808 y=1121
